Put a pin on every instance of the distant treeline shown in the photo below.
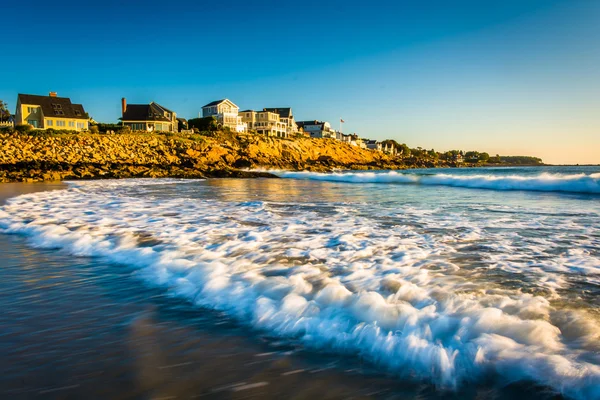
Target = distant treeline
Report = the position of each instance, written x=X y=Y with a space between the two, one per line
x=519 y=160
x=472 y=157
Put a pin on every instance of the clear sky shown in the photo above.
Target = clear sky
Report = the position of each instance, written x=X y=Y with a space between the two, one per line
x=518 y=77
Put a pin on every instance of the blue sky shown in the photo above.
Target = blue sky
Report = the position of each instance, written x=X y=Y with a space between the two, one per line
x=508 y=77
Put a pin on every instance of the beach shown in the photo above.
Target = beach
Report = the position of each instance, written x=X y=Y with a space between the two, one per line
x=349 y=285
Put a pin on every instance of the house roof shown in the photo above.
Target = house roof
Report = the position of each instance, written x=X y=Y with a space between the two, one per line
x=215 y=103
x=164 y=108
x=145 y=112
x=247 y=111
x=55 y=106
x=284 y=112
x=313 y=122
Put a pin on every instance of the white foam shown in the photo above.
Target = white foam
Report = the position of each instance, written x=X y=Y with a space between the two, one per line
x=340 y=282
x=545 y=182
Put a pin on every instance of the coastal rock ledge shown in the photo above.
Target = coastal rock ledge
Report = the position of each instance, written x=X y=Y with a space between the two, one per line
x=52 y=157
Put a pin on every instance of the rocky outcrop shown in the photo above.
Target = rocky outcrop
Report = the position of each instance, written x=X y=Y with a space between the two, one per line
x=25 y=157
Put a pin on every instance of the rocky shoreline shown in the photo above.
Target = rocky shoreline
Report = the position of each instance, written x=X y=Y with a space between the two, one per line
x=55 y=157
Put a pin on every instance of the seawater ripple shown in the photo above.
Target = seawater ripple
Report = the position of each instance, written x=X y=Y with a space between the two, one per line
x=544 y=182
x=398 y=295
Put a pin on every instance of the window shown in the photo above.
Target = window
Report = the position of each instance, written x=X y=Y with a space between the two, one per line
x=80 y=125
x=57 y=109
x=31 y=110
x=60 y=123
x=78 y=113
x=71 y=124
x=49 y=122
x=33 y=123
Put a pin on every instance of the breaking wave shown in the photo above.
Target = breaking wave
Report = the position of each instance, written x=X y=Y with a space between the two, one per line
x=395 y=295
x=545 y=182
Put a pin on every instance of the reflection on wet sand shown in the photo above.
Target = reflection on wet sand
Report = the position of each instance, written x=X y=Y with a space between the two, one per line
x=83 y=329
x=8 y=190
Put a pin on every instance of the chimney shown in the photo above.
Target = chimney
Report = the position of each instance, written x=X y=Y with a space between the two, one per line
x=123 y=105
x=52 y=94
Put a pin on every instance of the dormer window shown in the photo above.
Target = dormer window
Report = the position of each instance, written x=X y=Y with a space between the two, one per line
x=78 y=113
x=57 y=109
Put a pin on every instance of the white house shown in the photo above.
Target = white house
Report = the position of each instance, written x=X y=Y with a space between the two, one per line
x=389 y=149
x=317 y=129
x=354 y=140
x=226 y=113
x=373 y=145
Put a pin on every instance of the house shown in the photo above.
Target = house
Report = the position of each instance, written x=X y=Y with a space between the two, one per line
x=354 y=140
x=50 y=112
x=265 y=122
x=317 y=129
x=373 y=145
x=248 y=117
x=226 y=113
x=287 y=118
x=389 y=149
x=7 y=121
x=182 y=124
x=148 y=117
x=301 y=132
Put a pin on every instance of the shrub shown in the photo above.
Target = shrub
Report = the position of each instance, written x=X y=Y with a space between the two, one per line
x=203 y=124
x=94 y=129
x=23 y=128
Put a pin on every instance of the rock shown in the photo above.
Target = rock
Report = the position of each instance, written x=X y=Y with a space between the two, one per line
x=87 y=156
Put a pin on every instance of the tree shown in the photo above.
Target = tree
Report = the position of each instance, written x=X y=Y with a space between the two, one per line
x=391 y=142
x=472 y=156
x=4 y=113
x=203 y=124
x=418 y=152
x=404 y=150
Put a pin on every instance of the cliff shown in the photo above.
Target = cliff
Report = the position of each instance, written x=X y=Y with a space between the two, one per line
x=38 y=157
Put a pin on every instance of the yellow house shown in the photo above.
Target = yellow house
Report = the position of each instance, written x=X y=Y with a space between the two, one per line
x=264 y=122
x=45 y=112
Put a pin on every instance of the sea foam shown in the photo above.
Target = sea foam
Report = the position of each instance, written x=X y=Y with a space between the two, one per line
x=340 y=282
x=544 y=182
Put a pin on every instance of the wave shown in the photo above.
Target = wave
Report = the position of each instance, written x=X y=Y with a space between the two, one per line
x=546 y=182
x=389 y=295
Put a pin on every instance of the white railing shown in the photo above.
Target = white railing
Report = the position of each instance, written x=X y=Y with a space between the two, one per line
x=6 y=124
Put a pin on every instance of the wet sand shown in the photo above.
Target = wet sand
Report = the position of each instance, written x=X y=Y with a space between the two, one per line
x=8 y=190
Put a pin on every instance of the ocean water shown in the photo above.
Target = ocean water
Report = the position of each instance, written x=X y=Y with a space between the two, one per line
x=457 y=278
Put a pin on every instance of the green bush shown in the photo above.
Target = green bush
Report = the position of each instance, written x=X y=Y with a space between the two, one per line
x=23 y=128
x=203 y=124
